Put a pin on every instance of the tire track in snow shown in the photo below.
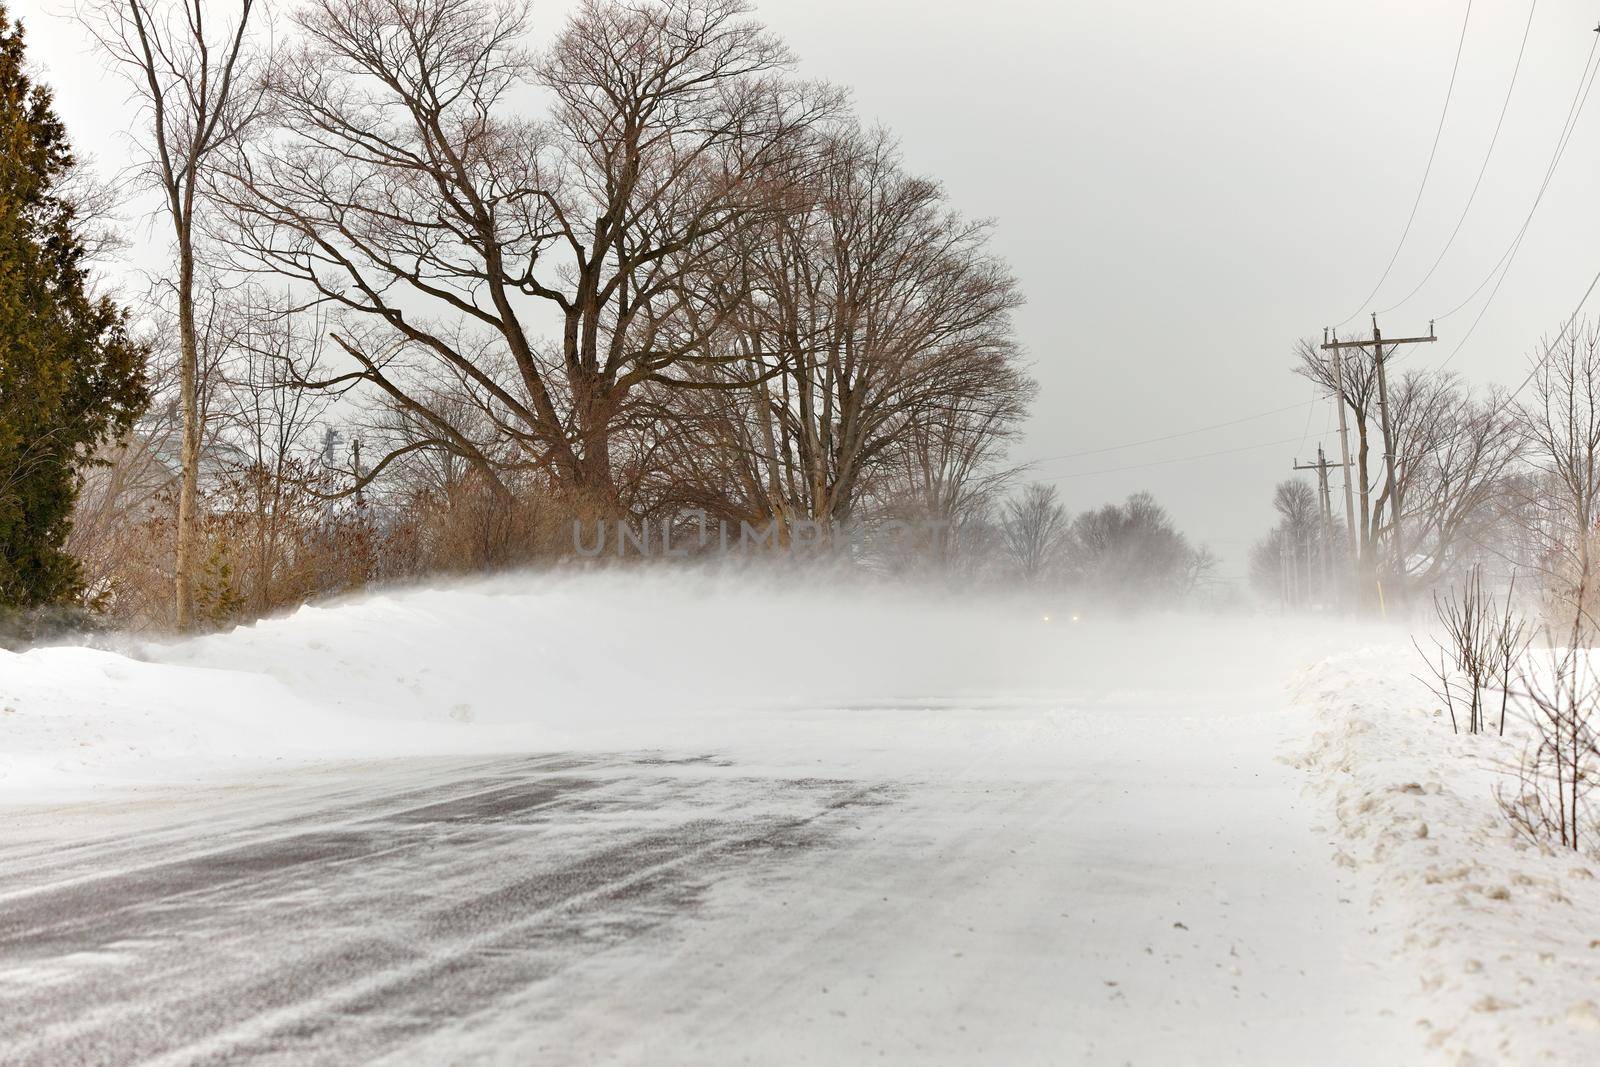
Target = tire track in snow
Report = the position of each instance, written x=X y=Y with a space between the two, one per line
x=488 y=916
x=286 y=805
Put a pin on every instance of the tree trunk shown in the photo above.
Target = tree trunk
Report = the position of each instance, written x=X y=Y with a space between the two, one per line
x=593 y=476
x=189 y=482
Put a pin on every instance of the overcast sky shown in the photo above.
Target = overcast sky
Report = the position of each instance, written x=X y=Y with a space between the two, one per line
x=1186 y=189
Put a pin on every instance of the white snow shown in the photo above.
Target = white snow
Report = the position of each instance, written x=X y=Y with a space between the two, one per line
x=1502 y=938
x=1122 y=840
x=640 y=659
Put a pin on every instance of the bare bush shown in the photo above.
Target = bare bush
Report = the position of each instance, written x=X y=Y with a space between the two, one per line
x=1557 y=773
x=1482 y=644
x=470 y=525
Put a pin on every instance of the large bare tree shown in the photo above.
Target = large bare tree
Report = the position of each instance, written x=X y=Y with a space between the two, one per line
x=1457 y=457
x=407 y=188
x=192 y=67
x=880 y=318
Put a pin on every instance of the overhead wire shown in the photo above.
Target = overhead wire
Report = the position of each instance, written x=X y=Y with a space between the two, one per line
x=1549 y=348
x=1483 y=168
x=1509 y=397
x=1502 y=267
x=1533 y=372
x=1428 y=170
x=1171 y=436
x=1580 y=96
x=1574 y=110
x=1310 y=411
x=1177 y=459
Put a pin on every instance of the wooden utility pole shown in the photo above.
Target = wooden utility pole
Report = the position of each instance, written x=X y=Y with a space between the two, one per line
x=1344 y=446
x=1380 y=351
x=1325 y=509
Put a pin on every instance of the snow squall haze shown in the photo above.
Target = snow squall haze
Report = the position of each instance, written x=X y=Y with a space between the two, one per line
x=635 y=658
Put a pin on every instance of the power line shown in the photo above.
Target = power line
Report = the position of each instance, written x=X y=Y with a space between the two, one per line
x=1171 y=436
x=1482 y=169
x=1516 y=245
x=1551 y=347
x=1580 y=97
x=1538 y=365
x=1178 y=459
x=1432 y=152
x=1310 y=411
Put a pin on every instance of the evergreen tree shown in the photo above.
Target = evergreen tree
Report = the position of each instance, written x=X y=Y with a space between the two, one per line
x=70 y=377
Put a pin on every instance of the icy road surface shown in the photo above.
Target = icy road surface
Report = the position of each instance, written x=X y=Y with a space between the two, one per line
x=1158 y=897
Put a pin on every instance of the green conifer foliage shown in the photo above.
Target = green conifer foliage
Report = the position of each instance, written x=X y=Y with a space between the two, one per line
x=70 y=377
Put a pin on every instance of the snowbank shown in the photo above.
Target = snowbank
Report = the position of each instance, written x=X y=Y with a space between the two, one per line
x=1500 y=939
x=622 y=659
x=1504 y=937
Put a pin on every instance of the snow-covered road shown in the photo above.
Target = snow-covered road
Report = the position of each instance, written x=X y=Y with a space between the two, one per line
x=655 y=819
x=1152 y=892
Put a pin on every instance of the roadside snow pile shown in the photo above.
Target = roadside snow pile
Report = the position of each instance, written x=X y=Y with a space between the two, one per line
x=1504 y=935
x=619 y=660
x=74 y=717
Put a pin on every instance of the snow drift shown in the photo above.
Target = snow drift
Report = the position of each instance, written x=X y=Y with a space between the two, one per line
x=631 y=659
x=1499 y=934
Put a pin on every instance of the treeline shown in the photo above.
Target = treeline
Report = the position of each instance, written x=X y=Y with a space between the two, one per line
x=1486 y=482
x=435 y=295
x=1121 y=556
x=438 y=302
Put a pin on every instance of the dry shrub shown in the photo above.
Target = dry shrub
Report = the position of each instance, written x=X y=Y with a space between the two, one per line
x=1557 y=772
x=267 y=542
x=1480 y=643
x=1559 y=766
x=473 y=525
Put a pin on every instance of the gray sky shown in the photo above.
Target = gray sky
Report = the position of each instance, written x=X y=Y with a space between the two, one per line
x=1184 y=190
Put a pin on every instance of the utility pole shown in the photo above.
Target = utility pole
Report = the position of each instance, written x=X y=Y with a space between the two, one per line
x=1325 y=509
x=1289 y=566
x=1380 y=352
x=1344 y=445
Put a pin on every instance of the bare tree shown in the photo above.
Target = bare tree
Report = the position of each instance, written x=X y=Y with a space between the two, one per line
x=272 y=486
x=879 y=315
x=947 y=468
x=1287 y=563
x=1454 y=457
x=1460 y=457
x=195 y=78
x=403 y=188
x=1356 y=386
x=125 y=518
x=1035 y=527
x=1131 y=554
x=1561 y=428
